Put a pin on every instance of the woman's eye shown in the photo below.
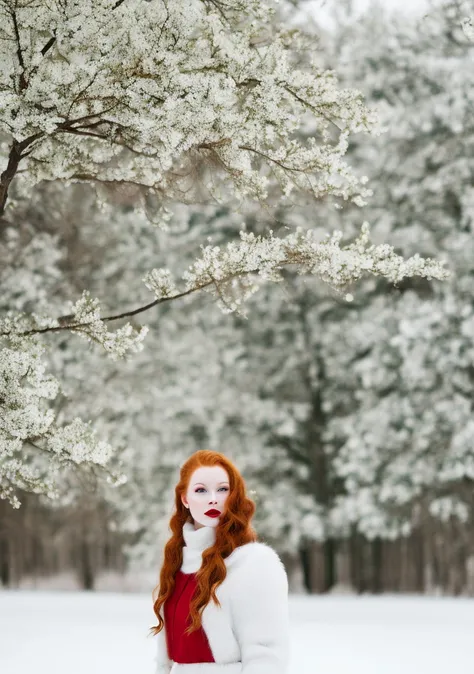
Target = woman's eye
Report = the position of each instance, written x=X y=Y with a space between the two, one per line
x=199 y=490
x=224 y=488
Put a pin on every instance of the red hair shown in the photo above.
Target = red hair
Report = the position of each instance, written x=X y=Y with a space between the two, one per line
x=234 y=529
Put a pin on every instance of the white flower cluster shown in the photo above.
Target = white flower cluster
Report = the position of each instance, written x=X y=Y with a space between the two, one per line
x=401 y=381
x=409 y=439
x=144 y=92
x=468 y=28
x=161 y=283
x=219 y=269
x=87 y=323
x=79 y=443
x=33 y=448
x=177 y=98
x=234 y=272
x=23 y=388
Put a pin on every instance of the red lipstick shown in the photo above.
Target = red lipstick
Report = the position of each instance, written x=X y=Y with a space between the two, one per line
x=213 y=513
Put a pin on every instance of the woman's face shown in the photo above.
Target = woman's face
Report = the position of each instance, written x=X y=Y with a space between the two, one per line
x=206 y=495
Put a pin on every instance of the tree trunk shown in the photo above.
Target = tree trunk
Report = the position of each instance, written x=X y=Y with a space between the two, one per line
x=377 y=561
x=86 y=572
x=330 y=570
x=5 y=571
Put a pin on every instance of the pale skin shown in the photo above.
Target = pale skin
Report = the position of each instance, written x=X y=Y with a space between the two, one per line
x=208 y=489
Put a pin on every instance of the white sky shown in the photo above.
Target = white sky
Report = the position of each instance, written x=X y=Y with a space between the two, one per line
x=319 y=8
x=412 y=5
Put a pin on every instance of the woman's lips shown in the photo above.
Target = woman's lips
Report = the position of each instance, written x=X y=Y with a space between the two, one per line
x=213 y=513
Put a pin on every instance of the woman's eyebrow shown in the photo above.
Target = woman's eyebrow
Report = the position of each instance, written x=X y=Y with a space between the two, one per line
x=204 y=485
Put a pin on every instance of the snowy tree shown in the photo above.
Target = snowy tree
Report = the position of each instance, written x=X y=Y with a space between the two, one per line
x=167 y=102
x=376 y=393
x=401 y=433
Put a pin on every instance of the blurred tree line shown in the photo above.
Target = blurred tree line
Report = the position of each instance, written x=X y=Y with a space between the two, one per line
x=352 y=422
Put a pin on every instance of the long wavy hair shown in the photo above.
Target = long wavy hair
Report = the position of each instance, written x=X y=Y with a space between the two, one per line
x=234 y=529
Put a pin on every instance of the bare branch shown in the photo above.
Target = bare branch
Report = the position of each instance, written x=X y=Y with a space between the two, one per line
x=16 y=155
x=312 y=107
x=115 y=317
x=271 y=159
x=139 y=310
x=48 y=45
x=19 y=52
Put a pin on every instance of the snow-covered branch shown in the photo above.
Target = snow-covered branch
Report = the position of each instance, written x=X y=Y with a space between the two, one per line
x=233 y=273
x=142 y=91
x=179 y=101
x=33 y=448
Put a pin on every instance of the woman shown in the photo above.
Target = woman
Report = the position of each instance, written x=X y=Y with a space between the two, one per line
x=222 y=599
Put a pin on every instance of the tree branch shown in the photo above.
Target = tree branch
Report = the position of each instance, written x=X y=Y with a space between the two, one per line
x=19 y=53
x=48 y=45
x=16 y=155
x=274 y=161
x=114 y=317
x=312 y=107
x=133 y=312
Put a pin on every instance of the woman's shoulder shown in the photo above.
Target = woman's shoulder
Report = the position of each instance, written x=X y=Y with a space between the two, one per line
x=256 y=553
x=255 y=571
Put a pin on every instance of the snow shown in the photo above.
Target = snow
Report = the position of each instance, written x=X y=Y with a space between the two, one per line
x=381 y=635
x=74 y=633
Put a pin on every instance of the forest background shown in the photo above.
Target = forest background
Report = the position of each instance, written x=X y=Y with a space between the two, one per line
x=348 y=407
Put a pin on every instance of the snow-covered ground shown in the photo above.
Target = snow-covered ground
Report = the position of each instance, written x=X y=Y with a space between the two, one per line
x=102 y=633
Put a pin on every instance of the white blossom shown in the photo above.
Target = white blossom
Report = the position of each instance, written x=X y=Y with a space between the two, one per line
x=165 y=102
x=135 y=92
x=468 y=28
x=86 y=322
x=401 y=433
x=33 y=447
x=161 y=283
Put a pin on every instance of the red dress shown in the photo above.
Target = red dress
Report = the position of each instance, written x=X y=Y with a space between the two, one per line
x=184 y=648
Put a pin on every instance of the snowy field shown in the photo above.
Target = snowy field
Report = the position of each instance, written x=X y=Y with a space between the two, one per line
x=102 y=633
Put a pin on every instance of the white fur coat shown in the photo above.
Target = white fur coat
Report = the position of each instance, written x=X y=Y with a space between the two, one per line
x=249 y=633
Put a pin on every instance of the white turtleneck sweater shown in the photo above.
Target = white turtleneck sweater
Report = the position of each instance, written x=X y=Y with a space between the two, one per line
x=196 y=541
x=249 y=632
